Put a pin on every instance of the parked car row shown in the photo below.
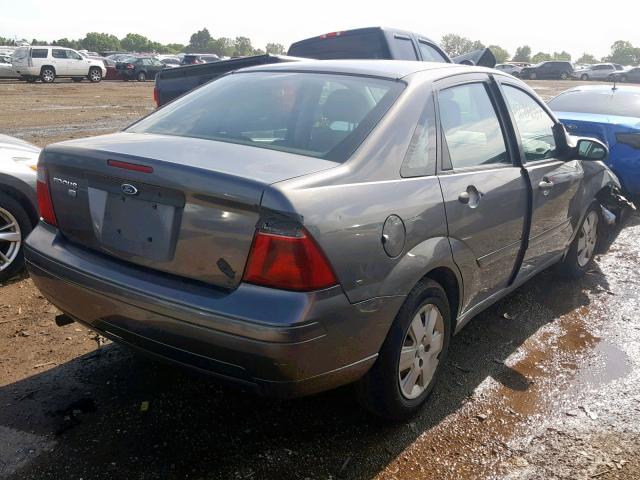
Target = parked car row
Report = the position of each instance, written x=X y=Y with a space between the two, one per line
x=562 y=70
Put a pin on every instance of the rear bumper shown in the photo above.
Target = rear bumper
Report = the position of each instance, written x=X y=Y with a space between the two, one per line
x=278 y=343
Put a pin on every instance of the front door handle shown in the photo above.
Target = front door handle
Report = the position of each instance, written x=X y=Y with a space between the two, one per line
x=470 y=197
x=545 y=185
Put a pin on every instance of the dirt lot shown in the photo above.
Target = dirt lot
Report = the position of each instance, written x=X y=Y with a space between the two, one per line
x=543 y=385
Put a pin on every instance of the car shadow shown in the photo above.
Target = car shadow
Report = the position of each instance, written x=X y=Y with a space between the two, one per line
x=93 y=406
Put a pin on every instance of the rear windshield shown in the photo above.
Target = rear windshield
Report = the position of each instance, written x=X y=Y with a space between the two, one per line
x=364 y=45
x=604 y=102
x=314 y=114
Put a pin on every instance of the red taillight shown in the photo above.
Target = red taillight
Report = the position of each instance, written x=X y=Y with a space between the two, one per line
x=45 y=205
x=130 y=66
x=289 y=263
x=155 y=96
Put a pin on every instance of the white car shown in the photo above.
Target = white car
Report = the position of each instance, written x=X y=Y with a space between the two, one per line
x=47 y=63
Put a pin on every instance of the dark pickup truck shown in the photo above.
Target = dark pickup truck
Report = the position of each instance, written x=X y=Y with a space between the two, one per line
x=361 y=43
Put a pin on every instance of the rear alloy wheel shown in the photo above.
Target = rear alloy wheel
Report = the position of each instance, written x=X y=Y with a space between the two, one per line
x=47 y=75
x=411 y=357
x=584 y=77
x=564 y=76
x=142 y=76
x=15 y=225
x=583 y=249
x=95 y=75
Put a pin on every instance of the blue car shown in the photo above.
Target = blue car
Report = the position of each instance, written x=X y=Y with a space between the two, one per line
x=613 y=116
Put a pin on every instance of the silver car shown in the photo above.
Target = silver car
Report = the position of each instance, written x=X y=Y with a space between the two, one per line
x=18 y=204
x=600 y=71
x=296 y=227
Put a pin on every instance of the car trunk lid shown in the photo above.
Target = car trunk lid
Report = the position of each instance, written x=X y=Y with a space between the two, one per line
x=184 y=206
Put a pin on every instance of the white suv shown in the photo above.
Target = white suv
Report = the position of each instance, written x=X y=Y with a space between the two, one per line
x=47 y=63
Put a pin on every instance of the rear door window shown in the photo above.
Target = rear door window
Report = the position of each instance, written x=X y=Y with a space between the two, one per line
x=430 y=54
x=59 y=54
x=403 y=48
x=471 y=127
x=39 y=53
x=312 y=114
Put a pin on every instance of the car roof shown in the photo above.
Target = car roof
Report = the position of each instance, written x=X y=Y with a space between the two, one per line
x=391 y=69
x=602 y=88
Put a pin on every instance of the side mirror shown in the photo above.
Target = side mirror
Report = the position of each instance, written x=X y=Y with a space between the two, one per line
x=591 y=149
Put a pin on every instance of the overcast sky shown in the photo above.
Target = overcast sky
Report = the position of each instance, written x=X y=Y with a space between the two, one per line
x=545 y=25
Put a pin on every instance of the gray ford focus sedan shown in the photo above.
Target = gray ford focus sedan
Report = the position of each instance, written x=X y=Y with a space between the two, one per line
x=301 y=226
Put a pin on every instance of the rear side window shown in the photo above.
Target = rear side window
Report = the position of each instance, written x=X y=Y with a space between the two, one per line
x=624 y=103
x=430 y=54
x=39 y=52
x=534 y=125
x=403 y=48
x=57 y=53
x=364 y=45
x=314 y=114
x=421 y=154
x=471 y=127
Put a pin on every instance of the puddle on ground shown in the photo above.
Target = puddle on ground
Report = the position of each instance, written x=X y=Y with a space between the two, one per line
x=534 y=381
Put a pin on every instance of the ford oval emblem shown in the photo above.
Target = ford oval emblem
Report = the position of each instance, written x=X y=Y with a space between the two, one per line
x=128 y=189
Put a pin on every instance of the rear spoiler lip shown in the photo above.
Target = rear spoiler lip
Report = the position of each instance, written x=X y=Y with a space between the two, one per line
x=481 y=58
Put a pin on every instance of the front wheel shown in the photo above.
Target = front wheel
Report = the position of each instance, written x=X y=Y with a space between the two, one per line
x=584 y=77
x=95 y=75
x=15 y=225
x=142 y=76
x=581 y=254
x=411 y=356
x=564 y=76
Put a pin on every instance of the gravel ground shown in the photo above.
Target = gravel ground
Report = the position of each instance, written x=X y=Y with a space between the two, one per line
x=542 y=385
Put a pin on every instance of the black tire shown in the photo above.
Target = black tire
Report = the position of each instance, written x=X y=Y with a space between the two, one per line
x=47 y=74
x=11 y=206
x=564 y=76
x=141 y=77
x=379 y=390
x=573 y=266
x=584 y=77
x=95 y=75
x=77 y=79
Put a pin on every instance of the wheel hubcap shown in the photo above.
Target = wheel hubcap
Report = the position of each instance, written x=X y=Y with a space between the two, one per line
x=588 y=238
x=10 y=239
x=421 y=350
x=48 y=75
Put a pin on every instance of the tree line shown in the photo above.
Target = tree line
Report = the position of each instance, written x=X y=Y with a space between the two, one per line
x=622 y=52
x=200 y=42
